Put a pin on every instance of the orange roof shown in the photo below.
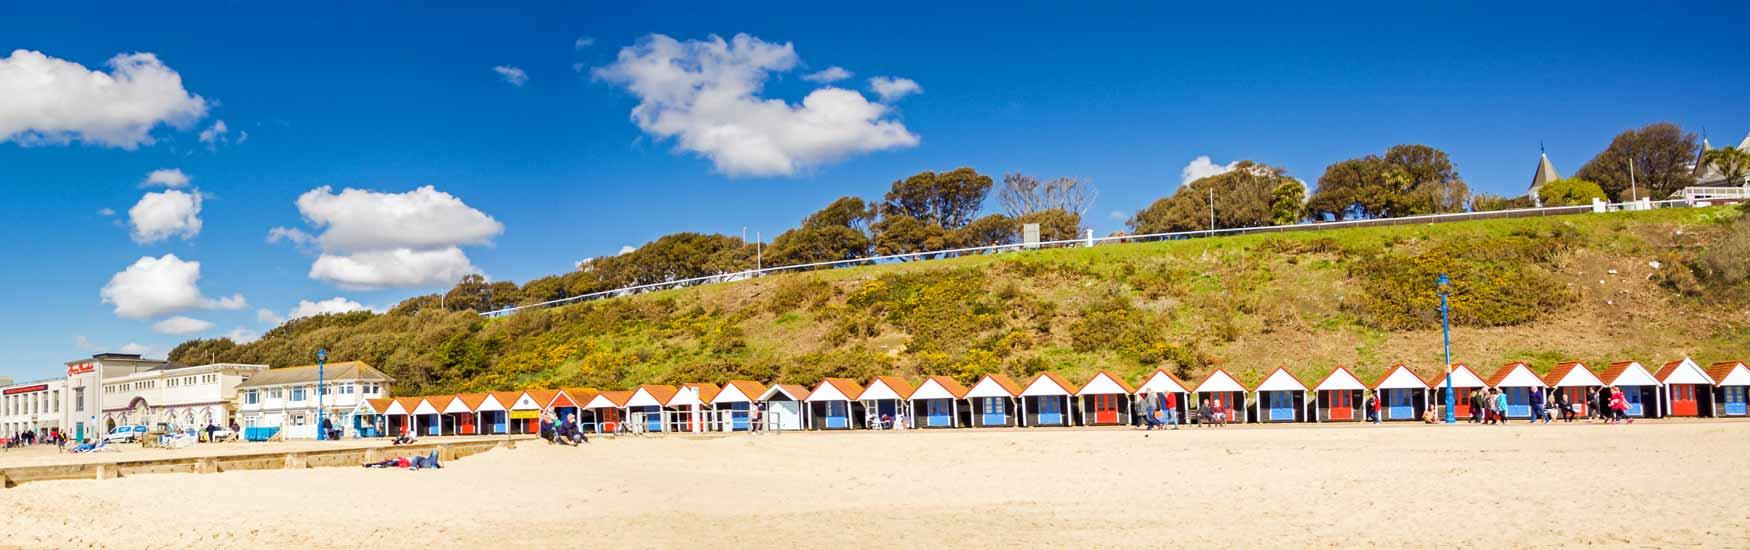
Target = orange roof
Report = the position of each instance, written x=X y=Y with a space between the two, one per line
x=441 y=402
x=752 y=390
x=1006 y=383
x=954 y=388
x=507 y=398
x=542 y=397
x=898 y=385
x=846 y=386
x=1439 y=378
x=1055 y=379
x=561 y=398
x=1170 y=376
x=1665 y=371
x=618 y=398
x=1115 y=378
x=662 y=393
x=472 y=400
x=1501 y=373
x=578 y=396
x=409 y=403
x=794 y=390
x=379 y=404
x=1333 y=372
x=1394 y=368
x=1224 y=372
x=1719 y=371
x=1556 y=374
x=1616 y=369
x=707 y=392
x=1284 y=370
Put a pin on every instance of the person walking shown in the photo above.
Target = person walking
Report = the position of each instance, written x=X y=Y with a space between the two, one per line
x=1601 y=404
x=1537 y=412
x=1619 y=405
x=1145 y=412
x=1171 y=410
x=1501 y=408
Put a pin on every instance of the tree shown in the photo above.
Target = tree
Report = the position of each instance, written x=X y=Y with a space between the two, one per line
x=849 y=212
x=1731 y=162
x=1242 y=198
x=1570 y=192
x=1660 y=154
x=1022 y=194
x=1484 y=202
x=905 y=235
x=948 y=199
x=992 y=230
x=837 y=232
x=674 y=257
x=469 y=293
x=1055 y=224
x=1288 y=203
x=1409 y=180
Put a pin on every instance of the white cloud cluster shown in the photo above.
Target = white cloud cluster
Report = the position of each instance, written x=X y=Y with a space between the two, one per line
x=706 y=95
x=50 y=100
x=1201 y=167
x=583 y=42
x=893 y=88
x=373 y=240
x=180 y=325
x=154 y=287
x=513 y=75
x=215 y=134
x=306 y=308
x=243 y=335
x=167 y=177
x=828 y=75
x=165 y=214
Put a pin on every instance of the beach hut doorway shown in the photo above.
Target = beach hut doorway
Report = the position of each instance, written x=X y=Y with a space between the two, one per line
x=936 y=403
x=1639 y=388
x=1688 y=388
x=645 y=406
x=832 y=404
x=1404 y=393
x=1464 y=380
x=734 y=404
x=1517 y=381
x=1045 y=401
x=1224 y=393
x=1107 y=399
x=1732 y=387
x=992 y=401
x=1573 y=377
x=784 y=406
x=1338 y=397
x=885 y=398
x=1169 y=392
x=1279 y=397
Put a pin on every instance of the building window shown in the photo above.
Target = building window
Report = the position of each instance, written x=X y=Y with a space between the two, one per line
x=298 y=394
x=251 y=397
x=276 y=393
x=56 y=400
x=79 y=399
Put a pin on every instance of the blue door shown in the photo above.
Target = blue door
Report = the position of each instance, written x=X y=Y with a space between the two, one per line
x=436 y=425
x=652 y=418
x=738 y=417
x=1519 y=402
x=936 y=413
x=1735 y=402
x=996 y=412
x=1633 y=396
x=838 y=415
x=1281 y=405
x=1050 y=411
x=1400 y=404
x=886 y=408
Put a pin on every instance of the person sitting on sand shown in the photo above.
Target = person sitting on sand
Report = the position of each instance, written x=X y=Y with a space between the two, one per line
x=577 y=434
x=1205 y=414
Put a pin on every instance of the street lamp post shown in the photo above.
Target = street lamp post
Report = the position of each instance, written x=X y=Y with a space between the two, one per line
x=1445 y=285
x=321 y=375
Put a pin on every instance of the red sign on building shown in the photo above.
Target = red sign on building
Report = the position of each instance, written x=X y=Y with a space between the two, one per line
x=25 y=389
x=80 y=368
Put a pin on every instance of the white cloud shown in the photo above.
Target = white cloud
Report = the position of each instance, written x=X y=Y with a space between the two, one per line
x=627 y=249
x=397 y=268
x=166 y=214
x=168 y=177
x=142 y=350
x=268 y=317
x=85 y=344
x=1201 y=167
x=577 y=67
x=106 y=212
x=50 y=100
x=154 y=287
x=892 y=88
x=1118 y=216
x=242 y=136
x=242 y=335
x=706 y=95
x=336 y=304
x=424 y=218
x=298 y=238
x=180 y=325
x=215 y=134
x=828 y=75
x=513 y=75
x=583 y=42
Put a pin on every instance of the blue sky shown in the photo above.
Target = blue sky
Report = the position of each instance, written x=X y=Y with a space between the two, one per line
x=393 y=100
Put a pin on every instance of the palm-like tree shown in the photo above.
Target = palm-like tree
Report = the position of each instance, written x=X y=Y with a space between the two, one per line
x=1732 y=163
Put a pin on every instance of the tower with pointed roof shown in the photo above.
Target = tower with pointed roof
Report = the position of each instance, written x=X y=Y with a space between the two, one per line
x=1706 y=174
x=1546 y=173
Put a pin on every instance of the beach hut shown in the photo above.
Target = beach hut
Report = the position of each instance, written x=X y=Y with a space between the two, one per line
x=398 y=416
x=1645 y=395
x=645 y=408
x=785 y=407
x=1403 y=395
x=367 y=417
x=1572 y=378
x=1167 y=391
x=568 y=402
x=886 y=396
x=993 y=401
x=687 y=410
x=1281 y=397
x=936 y=403
x=1222 y=392
x=465 y=410
x=734 y=405
x=833 y=404
x=493 y=412
x=430 y=413
x=1045 y=401
x=1731 y=381
x=1689 y=390
x=1518 y=381
x=526 y=409
x=1464 y=380
x=607 y=410
x=1338 y=397
x=1105 y=400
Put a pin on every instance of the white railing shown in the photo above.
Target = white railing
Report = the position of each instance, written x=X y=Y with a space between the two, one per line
x=1091 y=240
x=1701 y=193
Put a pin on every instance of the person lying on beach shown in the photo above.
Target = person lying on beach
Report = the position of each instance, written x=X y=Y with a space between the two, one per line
x=404 y=439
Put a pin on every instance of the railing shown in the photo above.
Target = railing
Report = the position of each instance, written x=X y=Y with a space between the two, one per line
x=1090 y=240
x=1701 y=193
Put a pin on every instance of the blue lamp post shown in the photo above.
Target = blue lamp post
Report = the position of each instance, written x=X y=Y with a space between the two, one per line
x=321 y=375
x=1445 y=285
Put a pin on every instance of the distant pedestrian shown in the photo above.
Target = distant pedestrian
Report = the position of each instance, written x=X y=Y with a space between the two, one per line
x=1370 y=408
x=1501 y=408
x=1476 y=406
x=1619 y=405
x=1567 y=409
x=1144 y=409
x=1537 y=412
x=1171 y=409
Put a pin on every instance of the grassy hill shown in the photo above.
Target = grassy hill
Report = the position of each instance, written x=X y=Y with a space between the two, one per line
x=1650 y=286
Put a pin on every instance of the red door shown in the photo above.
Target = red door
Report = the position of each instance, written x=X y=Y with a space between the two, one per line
x=1106 y=409
x=1577 y=396
x=1342 y=404
x=467 y=427
x=1683 y=400
x=1460 y=405
x=610 y=419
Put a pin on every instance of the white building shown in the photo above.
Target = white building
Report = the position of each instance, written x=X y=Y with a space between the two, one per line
x=1711 y=186
x=284 y=400
x=180 y=397
x=83 y=414
x=32 y=407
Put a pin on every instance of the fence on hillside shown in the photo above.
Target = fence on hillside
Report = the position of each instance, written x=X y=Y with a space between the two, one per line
x=1090 y=240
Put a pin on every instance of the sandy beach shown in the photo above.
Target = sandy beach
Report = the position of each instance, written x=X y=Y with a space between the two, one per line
x=1658 y=484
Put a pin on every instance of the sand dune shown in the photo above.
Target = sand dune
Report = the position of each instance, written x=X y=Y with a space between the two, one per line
x=1647 y=484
